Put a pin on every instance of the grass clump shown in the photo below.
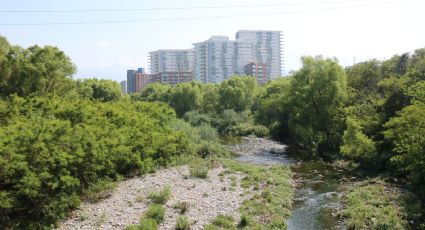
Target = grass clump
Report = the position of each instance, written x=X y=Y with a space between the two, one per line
x=160 y=197
x=270 y=207
x=139 y=199
x=145 y=224
x=373 y=205
x=182 y=223
x=199 y=167
x=156 y=212
x=222 y=222
x=182 y=206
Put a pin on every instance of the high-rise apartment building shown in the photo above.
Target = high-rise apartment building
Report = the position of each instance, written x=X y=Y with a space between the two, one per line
x=123 y=85
x=131 y=81
x=218 y=58
x=267 y=49
x=171 y=61
x=254 y=52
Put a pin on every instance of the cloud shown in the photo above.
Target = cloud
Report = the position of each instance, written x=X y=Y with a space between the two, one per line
x=103 y=44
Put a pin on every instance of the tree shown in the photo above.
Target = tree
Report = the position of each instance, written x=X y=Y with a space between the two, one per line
x=157 y=92
x=186 y=97
x=317 y=92
x=35 y=70
x=237 y=93
x=103 y=90
x=406 y=132
x=356 y=145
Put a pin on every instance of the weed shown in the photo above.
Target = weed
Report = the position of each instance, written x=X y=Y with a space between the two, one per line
x=199 y=168
x=182 y=206
x=139 y=199
x=182 y=223
x=156 y=212
x=160 y=197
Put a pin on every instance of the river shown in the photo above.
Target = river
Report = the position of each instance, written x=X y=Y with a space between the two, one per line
x=317 y=199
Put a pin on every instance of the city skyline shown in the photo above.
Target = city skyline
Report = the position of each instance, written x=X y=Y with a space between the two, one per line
x=340 y=29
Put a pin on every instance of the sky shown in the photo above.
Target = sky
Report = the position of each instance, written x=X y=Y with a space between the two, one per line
x=350 y=30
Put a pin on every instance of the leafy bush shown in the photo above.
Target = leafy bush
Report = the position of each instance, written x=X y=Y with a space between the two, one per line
x=155 y=212
x=208 y=149
x=160 y=197
x=199 y=168
x=182 y=223
x=53 y=149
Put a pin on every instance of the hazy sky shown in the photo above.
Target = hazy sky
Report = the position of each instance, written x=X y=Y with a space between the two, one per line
x=344 y=29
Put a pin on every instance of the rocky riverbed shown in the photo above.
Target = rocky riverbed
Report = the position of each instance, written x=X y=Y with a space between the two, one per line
x=206 y=198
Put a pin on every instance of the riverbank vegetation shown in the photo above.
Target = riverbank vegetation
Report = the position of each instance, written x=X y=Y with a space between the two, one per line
x=61 y=138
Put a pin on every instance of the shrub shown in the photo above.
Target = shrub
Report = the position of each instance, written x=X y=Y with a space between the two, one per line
x=155 y=212
x=182 y=223
x=207 y=149
x=160 y=197
x=199 y=168
x=59 y=147
x=245 y=221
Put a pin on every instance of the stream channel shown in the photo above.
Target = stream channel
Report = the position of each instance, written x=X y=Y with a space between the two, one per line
x=317 y=199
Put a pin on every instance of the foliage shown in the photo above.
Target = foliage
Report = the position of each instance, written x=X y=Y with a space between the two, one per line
x=182 y=223
x=199 y=167
x=317 y=91
x=370 y=205
x=35 y=70
x=406 y=132
x=270 y=208
x=357 y=145
x=155 y=212
x=100 y=190
x=53 y=149
x=222 y=222
x=160 y=197
x=182 y=206
x=186 y=97
x=156 y=92
x=145 y=224
x=237 y=93
x=103 y=90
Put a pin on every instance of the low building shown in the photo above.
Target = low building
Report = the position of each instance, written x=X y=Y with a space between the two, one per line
x=174 y=78
x=143 y=80
x=257 y=70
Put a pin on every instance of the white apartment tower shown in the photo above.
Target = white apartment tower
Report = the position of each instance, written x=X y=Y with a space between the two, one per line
x=218 y=58
x=214 y=59
x=171 y=61
x=267 y=49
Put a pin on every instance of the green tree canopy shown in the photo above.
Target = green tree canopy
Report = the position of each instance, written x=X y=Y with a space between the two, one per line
x=237 y=93
x=186 y=97
x=36 y=70
x=317 y=91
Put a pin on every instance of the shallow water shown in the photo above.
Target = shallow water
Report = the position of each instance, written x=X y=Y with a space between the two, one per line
x=316 y=197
